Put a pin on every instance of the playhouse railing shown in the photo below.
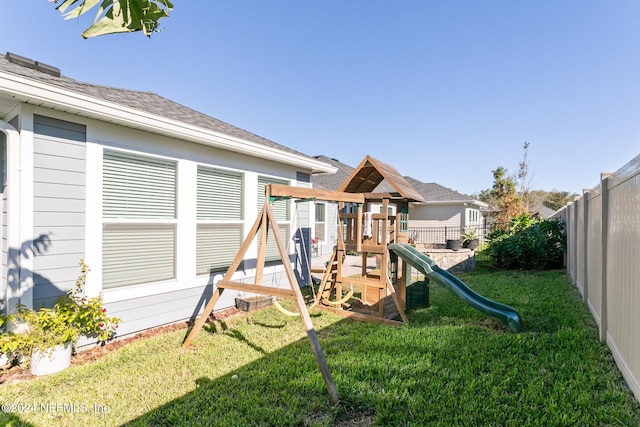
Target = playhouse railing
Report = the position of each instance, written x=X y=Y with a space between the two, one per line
x=385 y=229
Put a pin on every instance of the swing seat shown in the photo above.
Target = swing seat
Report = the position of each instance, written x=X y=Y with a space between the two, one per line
x=344 y=299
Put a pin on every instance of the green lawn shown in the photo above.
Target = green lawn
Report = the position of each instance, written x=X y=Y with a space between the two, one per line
x=450 y=366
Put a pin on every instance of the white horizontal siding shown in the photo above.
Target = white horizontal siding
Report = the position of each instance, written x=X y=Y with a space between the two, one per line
x=61 y=191
x=165 y=308
x=59 y=187
x=55 y=204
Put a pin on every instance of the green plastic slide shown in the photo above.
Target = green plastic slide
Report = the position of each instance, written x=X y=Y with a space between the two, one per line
x=429 y=268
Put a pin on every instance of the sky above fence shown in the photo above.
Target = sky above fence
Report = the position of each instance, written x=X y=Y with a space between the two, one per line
x=444 y=91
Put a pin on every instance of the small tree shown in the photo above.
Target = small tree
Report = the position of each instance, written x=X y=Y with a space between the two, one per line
x=507 y=202
x=555 y=199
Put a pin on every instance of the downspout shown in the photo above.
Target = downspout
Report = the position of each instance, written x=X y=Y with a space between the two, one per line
x=19 y=289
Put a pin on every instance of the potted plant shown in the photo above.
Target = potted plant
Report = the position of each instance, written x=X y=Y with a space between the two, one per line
x=49 y=334
x=470 y=238
x=454 y=244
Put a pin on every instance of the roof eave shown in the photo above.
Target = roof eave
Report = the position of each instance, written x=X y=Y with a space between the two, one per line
x=49 y=96
x=453 y=202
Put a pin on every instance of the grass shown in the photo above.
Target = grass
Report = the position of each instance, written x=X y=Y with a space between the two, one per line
x=450 y=366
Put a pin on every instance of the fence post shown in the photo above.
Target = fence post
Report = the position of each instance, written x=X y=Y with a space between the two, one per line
x=573 y=241
x=604 y=191
x=585 y=241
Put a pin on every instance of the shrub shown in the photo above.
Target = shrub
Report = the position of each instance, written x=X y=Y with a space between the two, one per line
x=73 y=315
x=529 y=243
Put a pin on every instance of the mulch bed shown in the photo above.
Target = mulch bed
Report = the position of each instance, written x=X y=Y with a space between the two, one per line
x=12 y=374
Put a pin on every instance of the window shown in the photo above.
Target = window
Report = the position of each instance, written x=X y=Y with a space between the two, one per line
x=320 y=212
x=321 y=209
x=219 y=211
x=280 y=212
x=272 y=253
x=139 y=219
x=216 y=246
x=280 y=207
x=404 y=220
x=220 y=194
x=473 y=216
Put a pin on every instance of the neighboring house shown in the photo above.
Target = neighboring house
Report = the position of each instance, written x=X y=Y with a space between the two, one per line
x=444 y=207
x=155 y=197
x=544 y=212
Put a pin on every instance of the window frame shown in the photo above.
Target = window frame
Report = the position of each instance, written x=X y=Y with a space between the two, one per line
x=205 y=224
x=132 y=218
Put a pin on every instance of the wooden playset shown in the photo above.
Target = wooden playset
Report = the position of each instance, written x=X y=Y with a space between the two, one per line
x=360 y=230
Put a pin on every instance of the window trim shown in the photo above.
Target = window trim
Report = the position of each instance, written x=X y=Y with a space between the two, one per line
x=137 y=220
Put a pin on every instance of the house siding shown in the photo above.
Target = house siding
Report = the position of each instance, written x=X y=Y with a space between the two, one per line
x=68 y=214
x=153 y=304
x=3 y=229
x=59 y=188
x=436 y=216
x=5 y=244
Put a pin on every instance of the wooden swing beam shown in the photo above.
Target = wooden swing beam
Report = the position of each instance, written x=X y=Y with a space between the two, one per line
x=288 y=192
x=267 y=220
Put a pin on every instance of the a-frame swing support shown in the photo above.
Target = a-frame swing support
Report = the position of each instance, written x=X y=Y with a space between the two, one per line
x=266 y=220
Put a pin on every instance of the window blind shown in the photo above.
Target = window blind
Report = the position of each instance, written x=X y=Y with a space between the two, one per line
x=220 y=194
x=280 y=207
x=137 y=186
x=137 y=253
x=216 y=246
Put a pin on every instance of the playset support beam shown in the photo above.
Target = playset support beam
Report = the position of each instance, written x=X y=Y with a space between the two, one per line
x=266 y=220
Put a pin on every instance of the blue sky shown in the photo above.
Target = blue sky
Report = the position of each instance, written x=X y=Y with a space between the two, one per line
x=445 y=91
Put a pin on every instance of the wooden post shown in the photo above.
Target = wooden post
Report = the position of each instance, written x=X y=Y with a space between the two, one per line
x=403 y=315
x=208 y=309
x=304 y=313
x=384 y=260
x=358 y=231
x=267 y=221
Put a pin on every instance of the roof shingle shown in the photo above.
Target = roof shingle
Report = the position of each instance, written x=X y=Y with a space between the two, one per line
x=147 y=102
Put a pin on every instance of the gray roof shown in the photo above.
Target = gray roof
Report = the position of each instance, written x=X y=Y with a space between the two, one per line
x=433 y=192
x=148 y=102
x=333 y=181
x=545 y=212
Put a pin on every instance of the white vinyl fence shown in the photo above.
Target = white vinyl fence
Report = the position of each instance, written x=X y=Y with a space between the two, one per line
x=603 y=261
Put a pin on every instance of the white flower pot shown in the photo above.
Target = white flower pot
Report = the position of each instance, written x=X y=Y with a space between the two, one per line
x=51 y=360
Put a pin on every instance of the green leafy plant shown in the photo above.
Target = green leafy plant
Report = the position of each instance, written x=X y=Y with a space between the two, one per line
x=117 y=16
x=529 y=243
x=469 y=234
x=9 y=345
x=73 y=315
